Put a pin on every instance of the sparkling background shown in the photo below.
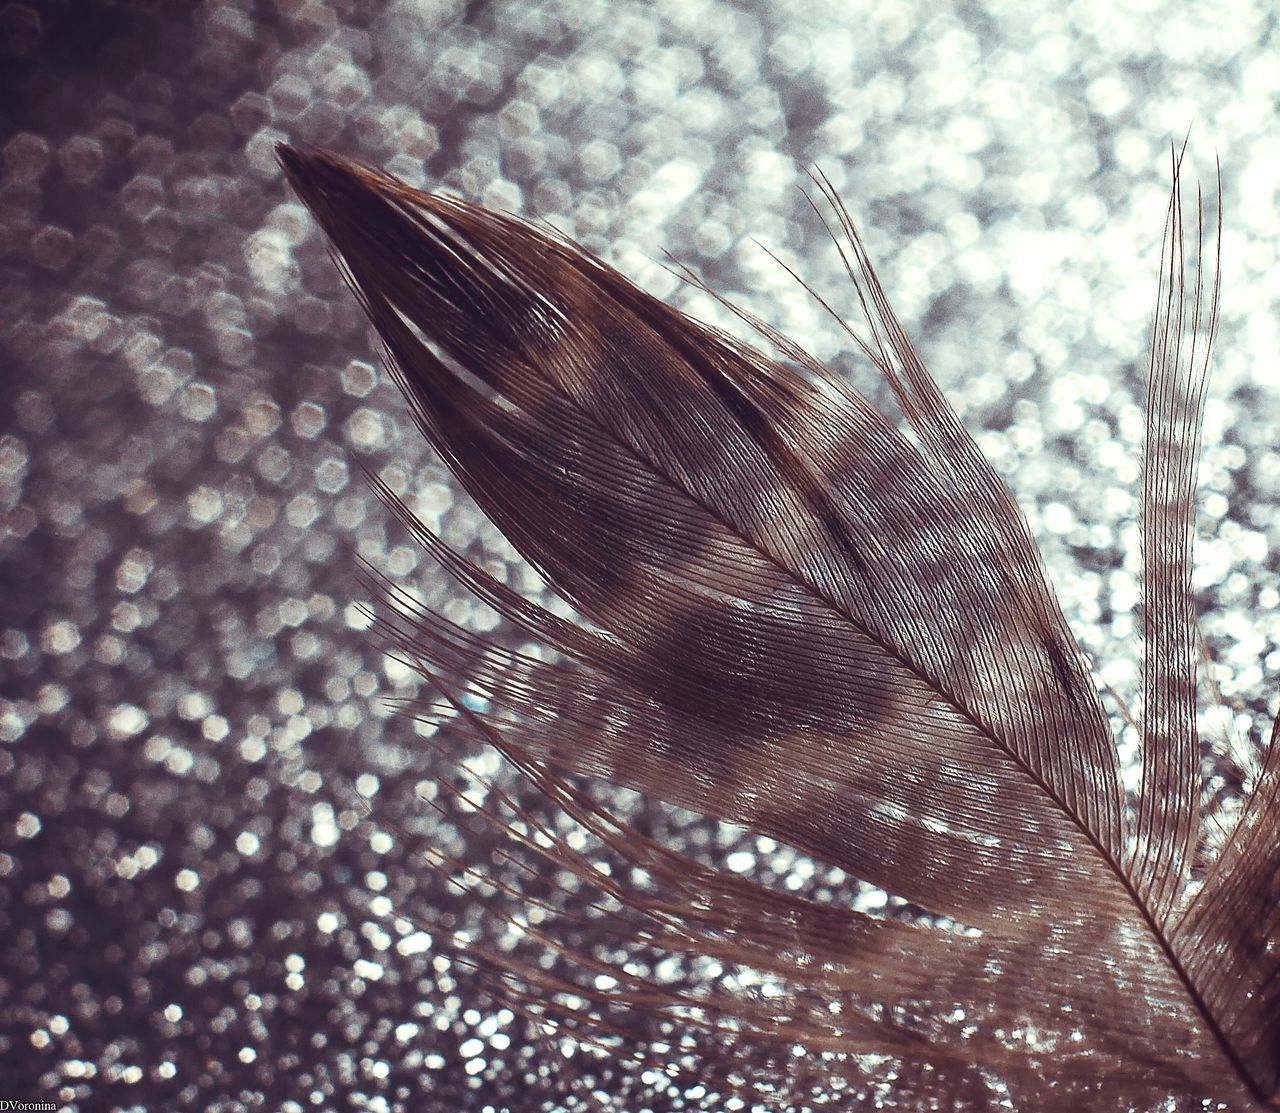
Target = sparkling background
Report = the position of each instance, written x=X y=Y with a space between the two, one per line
x=193 y=912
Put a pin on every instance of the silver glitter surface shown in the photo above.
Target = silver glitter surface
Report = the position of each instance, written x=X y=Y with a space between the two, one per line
x=195 y=912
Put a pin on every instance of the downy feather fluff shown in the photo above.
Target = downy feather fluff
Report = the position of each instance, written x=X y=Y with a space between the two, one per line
x=794 y=615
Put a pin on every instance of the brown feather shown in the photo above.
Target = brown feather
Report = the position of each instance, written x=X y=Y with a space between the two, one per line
x=793 y=617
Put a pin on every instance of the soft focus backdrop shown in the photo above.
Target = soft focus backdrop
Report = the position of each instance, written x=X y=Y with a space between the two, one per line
x=193 y=911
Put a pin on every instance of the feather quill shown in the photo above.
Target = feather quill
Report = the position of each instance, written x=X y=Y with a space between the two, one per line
x=792 y=616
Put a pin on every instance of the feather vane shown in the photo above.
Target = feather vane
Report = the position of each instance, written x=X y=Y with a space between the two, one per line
x=794 y=616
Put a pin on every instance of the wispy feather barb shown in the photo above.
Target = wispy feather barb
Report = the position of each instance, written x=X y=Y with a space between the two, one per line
x=794 y=617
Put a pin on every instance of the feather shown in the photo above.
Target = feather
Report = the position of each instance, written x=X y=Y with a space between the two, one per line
x=791 y=614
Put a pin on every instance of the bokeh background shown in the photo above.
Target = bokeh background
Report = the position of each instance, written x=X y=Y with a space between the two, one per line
x=194 y=911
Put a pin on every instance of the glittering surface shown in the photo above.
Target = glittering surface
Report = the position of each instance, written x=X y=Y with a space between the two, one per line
x=194 y=912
